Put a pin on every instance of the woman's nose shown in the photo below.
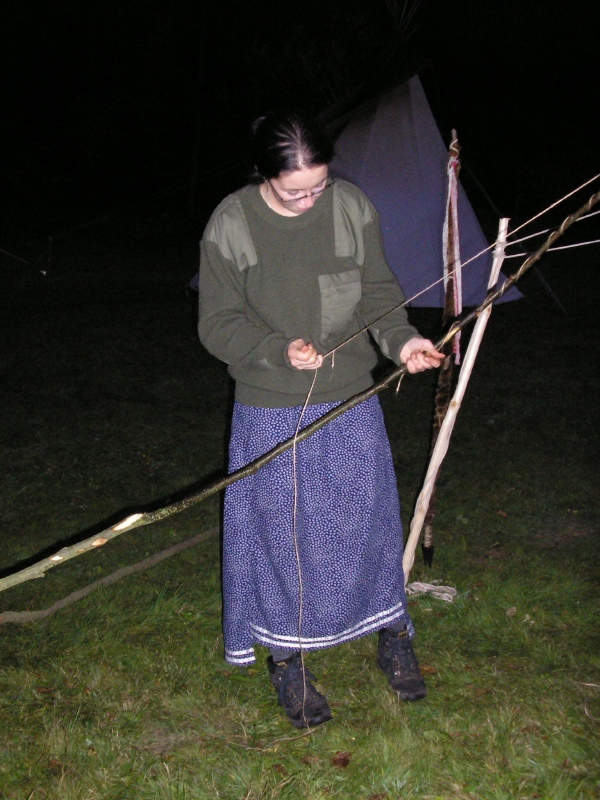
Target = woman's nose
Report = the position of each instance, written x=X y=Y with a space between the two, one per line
x=307 y=201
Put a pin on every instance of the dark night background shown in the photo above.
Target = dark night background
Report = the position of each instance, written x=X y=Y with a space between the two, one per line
x=107 y=103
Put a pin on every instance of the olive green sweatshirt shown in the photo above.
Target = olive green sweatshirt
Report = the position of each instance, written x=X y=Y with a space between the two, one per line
x=321 y=276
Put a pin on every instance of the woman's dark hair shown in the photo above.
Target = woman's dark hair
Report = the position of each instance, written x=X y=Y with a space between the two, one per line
x=285 y=141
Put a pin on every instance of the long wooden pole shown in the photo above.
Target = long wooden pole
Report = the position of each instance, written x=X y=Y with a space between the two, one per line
x=146 y=518
x=446 y=370
x=445 y=431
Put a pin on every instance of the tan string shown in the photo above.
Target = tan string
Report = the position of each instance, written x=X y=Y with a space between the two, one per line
x=296 y=549
x=558 y=202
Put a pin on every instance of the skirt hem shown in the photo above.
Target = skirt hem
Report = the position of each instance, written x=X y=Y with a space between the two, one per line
x=243 y=658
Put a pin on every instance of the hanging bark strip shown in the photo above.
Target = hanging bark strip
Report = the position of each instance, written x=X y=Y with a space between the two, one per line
x=452 y=308
x=146 y=518
x=422 y=507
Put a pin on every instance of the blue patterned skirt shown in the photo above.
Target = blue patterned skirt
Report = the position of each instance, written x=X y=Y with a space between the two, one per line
x=348 y=533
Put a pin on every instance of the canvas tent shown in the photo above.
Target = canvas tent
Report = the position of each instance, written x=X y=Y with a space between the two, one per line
x=391 y=148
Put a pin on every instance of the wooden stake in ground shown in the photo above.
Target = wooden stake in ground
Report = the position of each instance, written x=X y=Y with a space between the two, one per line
x=443 y=439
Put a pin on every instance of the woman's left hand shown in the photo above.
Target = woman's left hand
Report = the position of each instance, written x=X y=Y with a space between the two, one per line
x=303 y=356
x=420 y=354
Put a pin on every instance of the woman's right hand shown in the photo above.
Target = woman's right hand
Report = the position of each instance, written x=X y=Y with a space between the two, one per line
x=303 y=356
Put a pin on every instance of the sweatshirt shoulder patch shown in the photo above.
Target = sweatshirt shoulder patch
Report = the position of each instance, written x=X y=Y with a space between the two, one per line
x=228 y=229
x=352 y=210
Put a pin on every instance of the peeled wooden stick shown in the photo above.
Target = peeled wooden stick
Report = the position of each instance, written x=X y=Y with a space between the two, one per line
x=37 y=570
x=441 y=445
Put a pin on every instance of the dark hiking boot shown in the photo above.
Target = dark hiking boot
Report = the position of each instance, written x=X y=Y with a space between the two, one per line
x=300 y=700
x=396 y=658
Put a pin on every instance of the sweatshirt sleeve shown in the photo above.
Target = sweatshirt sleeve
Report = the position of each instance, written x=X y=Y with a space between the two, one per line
x=226 y=325
x=380 y=293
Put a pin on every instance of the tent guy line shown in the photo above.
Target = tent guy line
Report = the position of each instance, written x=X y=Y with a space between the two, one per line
x=16 y=258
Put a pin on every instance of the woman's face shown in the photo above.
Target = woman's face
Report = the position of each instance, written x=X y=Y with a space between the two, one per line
x=296 y=192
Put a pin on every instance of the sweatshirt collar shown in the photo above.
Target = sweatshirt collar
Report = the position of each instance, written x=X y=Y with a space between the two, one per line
x=298 y=222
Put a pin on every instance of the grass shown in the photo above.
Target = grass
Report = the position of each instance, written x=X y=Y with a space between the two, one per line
x=110 y=404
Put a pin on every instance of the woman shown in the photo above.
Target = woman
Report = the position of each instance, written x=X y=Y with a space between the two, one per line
x=291 y=266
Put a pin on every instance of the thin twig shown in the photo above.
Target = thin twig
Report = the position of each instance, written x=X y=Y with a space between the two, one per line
x=587 y=713
x=270 y=744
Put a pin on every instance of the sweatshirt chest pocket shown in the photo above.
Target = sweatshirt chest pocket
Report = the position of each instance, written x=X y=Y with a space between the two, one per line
x=340 y=294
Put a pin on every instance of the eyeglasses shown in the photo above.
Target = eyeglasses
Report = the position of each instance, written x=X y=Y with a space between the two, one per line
x=314 y=193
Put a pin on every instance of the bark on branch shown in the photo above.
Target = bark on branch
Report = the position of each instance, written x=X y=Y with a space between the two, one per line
x=146 y=518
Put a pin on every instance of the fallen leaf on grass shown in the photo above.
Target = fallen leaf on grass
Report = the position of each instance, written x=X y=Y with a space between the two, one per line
x=309 y=759
x=160 y=742
x=530 y=729
x=45 y=690
x=341 y=758
x=502 y=513
x=510 y=612
x=481 y=691
x=280 y=769
x=427 y=670
x=54 y=766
